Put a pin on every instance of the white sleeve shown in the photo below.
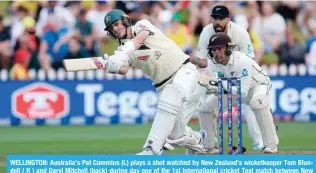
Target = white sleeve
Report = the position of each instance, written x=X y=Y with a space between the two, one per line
x=202 y=51
x=244 y=72
x=118 y=60
x=245 y=44
x=144 y=25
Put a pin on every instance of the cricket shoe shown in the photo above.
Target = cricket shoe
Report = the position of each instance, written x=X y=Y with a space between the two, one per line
x=167 y=146
x=270 y=149
x=208 y=151
x=204 y=150
x=149 y=151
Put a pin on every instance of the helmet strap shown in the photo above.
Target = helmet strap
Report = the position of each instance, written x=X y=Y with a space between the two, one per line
x=125 y=36
x=109 y=33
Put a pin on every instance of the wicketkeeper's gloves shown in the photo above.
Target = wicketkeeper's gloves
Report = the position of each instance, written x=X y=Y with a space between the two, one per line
x=210 y=83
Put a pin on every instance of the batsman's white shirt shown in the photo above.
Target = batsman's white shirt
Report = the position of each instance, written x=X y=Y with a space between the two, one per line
x=250 y=73
x=158 y=57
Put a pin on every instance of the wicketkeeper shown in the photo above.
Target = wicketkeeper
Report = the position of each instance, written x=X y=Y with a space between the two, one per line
x=255 y=90
x=241 y=40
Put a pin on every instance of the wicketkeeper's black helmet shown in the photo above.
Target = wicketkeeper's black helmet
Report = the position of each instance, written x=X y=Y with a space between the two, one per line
x=220 y=39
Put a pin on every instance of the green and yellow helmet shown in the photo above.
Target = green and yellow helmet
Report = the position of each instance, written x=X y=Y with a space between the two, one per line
x=115 y=15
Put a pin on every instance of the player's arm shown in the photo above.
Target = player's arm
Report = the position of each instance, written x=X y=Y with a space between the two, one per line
x=245 y=44
x=202 y=51
x=136 y=42
x=244 y=72
x=143 y=29
x=139 y=39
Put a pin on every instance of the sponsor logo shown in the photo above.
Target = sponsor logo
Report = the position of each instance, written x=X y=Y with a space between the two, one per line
x=97 y=63
x=220 y=74
x=213 y=39
x=244 y=73
x=40 y=100
x=143 y=58
x=249 y=49
x=157 y=54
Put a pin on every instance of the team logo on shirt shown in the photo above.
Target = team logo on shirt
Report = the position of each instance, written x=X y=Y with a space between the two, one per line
x=249 y=49
x=244 y=73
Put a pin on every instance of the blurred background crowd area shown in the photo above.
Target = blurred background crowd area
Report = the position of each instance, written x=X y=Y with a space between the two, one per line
x=282 y=33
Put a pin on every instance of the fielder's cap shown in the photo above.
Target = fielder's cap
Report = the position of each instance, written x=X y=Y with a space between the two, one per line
x=220 y=11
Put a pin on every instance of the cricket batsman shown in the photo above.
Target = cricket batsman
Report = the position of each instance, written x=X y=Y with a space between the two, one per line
x=255 y=88
x=241 y=41
x=145 y=47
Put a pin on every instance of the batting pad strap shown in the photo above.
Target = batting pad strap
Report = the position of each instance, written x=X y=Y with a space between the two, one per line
x=259 y=102
x=169 y=107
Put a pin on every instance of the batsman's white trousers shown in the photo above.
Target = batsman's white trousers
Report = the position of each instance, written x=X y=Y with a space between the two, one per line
x=173 y=95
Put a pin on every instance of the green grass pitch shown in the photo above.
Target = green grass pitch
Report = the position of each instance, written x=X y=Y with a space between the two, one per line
x=295 y=138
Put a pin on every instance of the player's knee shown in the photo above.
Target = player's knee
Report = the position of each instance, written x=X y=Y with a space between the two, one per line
x=259 y=102
x=170 y=99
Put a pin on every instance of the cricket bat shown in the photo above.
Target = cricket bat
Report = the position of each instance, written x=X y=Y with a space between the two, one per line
x=83 y=64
